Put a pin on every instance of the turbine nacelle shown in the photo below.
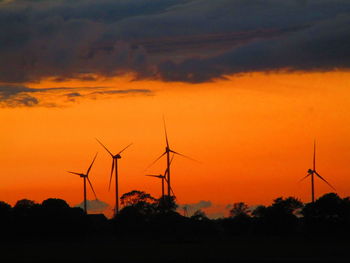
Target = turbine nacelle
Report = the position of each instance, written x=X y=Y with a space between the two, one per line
x=310 y=171
x=117 y=156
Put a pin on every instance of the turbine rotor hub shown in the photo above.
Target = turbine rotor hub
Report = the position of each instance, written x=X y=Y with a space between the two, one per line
x=310 y=171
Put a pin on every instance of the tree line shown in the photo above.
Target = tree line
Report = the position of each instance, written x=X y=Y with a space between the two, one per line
x=144 y=216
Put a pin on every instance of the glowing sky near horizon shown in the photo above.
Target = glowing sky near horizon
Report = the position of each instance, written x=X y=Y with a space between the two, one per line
x=252 y=134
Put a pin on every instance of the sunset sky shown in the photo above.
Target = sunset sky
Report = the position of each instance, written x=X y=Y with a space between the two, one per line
x=245 y=88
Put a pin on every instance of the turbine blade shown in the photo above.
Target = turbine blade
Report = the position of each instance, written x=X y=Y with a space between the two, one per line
x=166 y=134
x=184 y=156
x=155 y=160
x=88 y=171
x=302 y=179
x=104 y=147
x=154 y=175
x=110 y=178
x=324 y=180
x=74 y=173
x=166 y=170
x=125 y=148
x=172 y=158
x=91 y=187
x=314 y=161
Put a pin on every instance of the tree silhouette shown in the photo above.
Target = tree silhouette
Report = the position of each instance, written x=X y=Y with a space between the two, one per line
x=288 y=206
x=239 y=209
x=137 y=198
x=5 y=208
x=54 y=204
x=25 y=207
x=56 y=217
x=138 y=204
x=259 y=211
x=166 y=204
x=27 y=219
x=5 y=219
x=142 y=216
x=24 y=204
x=279 y=218
x=327 y=206
x=328 y=214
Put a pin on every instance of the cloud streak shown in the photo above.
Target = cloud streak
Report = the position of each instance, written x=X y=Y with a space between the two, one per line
x=21 y=96
x=172 y=40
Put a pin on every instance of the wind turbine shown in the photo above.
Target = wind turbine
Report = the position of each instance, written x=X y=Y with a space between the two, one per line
x=167 y=153
x=163 y=178
x=86 y=177
x=115 y=168
x=311 y=173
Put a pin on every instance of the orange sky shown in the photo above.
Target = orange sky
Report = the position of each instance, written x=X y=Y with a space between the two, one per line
x=253 y=135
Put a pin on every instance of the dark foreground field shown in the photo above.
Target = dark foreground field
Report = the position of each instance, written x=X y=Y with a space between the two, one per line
x=238 y=250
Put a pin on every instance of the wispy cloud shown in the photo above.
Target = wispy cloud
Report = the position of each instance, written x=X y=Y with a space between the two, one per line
x=22 y=96
x=73 y=94
x=127 y=91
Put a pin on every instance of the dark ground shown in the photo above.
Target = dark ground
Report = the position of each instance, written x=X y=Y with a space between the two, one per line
x=234 y=250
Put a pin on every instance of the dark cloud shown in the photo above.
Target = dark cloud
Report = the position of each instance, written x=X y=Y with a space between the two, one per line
x=73 y=94
x=18 y=96
x=22 y=100
x=322 y=47
x=172 y=40
x=10 y=90
x=127 y=91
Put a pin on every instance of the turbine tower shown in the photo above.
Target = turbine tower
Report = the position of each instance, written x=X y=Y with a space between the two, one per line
x=311 y=173
x=167 y=153
x=160 y=176
x=86 y=177
x=115 y=168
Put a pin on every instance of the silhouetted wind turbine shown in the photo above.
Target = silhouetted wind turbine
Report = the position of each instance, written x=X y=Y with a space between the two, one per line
x=167 y=153
x=115 y=168
x=86 y=177
x=163 y=178
x=311 y=173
